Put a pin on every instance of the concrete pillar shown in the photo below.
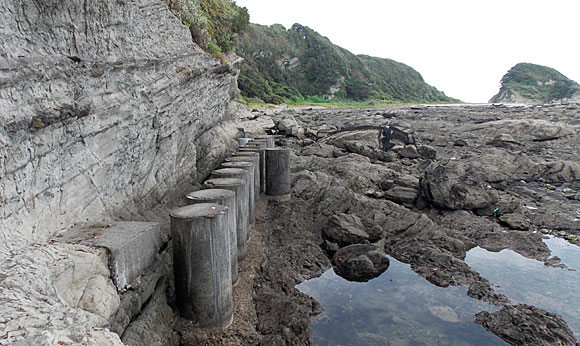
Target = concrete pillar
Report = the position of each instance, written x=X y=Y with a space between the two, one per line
x=202 y=264
x=243 y=141
x=249 y=157
x=241 y=190
x=259 y=148
x=270 y=140
x=249 y=168
x=278 y=172
x=226 y=198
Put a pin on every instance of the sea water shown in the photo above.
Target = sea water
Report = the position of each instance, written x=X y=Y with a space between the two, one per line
x=397 y=308
x=529 y=281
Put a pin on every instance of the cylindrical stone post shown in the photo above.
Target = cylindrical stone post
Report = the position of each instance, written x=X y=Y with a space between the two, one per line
x=270 y=140
x=226 y=198
x=278 y=172
x=259 y=148
x=249 y=167
x=202 y=264
x=250 y=157
x=260 y=140
x=239 y=187
x=243 y=141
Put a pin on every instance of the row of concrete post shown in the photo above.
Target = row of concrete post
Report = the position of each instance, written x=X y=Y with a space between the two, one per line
x=210 y=235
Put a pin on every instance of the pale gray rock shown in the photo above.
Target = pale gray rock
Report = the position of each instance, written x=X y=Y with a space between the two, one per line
x=527 y=130
x=107 y=111
x=111 y=134
x=252 y=124
x=372 y=153
x=352 y=170
x=44 y=289
x=321 y=150
x=155 y=323
x=452 y=187
x=345 y=229
x=407 y=180
x=214 y=146
x=515 y=221
x=559 y=171
x=133 y=300
x=427 y=152
x=289 y=126
x=368 y=137
x=402 y=195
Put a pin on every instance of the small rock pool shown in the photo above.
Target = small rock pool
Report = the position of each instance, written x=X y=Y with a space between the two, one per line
x=402 y=308
x=397 y=308
x=529 y=281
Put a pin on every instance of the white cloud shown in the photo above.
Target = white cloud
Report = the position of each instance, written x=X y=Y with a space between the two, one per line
x=461 y=47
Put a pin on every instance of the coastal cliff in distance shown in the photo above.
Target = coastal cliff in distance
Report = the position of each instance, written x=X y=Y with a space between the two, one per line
x=533 y=84
x=299 y=64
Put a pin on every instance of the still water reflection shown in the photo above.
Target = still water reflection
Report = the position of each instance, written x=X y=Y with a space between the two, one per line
x=397 y=308
x=528 y=281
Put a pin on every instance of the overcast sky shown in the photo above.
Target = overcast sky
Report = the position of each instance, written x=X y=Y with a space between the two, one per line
x=462 y=47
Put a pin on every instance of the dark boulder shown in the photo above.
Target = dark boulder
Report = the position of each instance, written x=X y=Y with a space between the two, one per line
x=360 y=262
x=527 y=325
x=427 y=152
x=409 y=152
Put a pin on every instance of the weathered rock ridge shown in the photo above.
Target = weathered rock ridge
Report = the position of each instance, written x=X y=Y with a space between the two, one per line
x=423 y=184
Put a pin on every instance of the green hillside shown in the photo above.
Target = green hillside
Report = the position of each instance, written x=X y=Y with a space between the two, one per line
x=530 y=83
x=299 y=64
x=213 y=24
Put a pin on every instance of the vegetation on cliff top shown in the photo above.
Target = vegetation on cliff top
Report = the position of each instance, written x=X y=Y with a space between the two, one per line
x=214 y=24
x=301 y=66
x=530 y=83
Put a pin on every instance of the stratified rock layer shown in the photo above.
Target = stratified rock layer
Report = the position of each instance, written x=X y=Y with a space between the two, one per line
x=108 y=111
x=103 y=107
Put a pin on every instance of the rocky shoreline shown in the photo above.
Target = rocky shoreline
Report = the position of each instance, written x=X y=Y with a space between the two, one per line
x=423 y=184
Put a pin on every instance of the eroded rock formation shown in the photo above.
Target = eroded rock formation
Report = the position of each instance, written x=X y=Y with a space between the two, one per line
x=108 y=111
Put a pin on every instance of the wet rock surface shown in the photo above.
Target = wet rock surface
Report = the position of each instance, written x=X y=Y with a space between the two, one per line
x=360 y=262
x=527 y=325
x=490 y=176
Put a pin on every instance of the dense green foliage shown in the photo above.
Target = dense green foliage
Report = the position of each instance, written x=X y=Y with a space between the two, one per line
x=214 y=24
x=532 y=83
x=301 y=66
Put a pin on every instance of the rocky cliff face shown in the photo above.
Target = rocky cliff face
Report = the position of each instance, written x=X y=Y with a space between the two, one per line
x=102 y=105
x=107 y=111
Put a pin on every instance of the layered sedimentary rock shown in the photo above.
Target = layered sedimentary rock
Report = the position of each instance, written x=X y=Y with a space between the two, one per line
x=108 y=111
x=102 y=104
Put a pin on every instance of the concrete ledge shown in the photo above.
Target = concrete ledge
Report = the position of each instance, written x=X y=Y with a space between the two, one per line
x=132 y=246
